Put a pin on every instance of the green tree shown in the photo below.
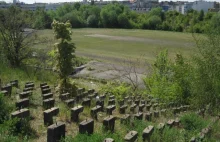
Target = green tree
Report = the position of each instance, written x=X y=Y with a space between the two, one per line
x=109 y=15
x=77 y=5
x=123 y=21
x=201 y=15
x=154 y=22
x=64 y=52
x=206 y=79
x=16 y=39
x=74 y=18
x=92 y=21
x=42 y=19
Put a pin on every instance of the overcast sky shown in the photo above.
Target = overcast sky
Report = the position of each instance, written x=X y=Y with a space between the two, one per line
x=56 y=1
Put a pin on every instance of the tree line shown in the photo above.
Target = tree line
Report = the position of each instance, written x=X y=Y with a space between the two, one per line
x=115 y=15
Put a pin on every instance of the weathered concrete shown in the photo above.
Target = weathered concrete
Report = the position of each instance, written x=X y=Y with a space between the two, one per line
x=122 y=109
x=70 y=103
x=25 y=94
x=64 y=96
x=47 y=96
x=22 y=113
x=109 y=140
x=94 y=111
x=125 y=119
x=48 y=103
x=23 y=103
x=75 y=113
x=109 y=109
x=109 y=123
x=56 y=132
x=138 y=116
x=86 y=102
x=86 y=126
x=147 y=133
x=131 y=136
x=48 y=115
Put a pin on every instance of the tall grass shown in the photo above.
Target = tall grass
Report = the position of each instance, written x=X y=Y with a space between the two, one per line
x=26 y=73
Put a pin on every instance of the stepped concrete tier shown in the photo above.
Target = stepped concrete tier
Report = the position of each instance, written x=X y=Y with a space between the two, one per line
x=86 y=126
x=131 y=136
x=56 y=132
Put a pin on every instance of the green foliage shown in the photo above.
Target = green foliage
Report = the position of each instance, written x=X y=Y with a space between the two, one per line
x=92 y=21
x=79 y=61
x=64 y=53
x=170 y=81
x=206 y=79
x=74 y=18
x=96 y=137
x=15 y=43
x=193 y=122
x=115 y=15
x=7 y=130
x=168 y=135
x=4 y=109
x=120 y=91
x=42 y=19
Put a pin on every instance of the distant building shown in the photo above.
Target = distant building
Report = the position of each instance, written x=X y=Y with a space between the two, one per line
x=216 y=7
x=186 y=7
x=202 y=5
x=144 y=5
x=46 y=6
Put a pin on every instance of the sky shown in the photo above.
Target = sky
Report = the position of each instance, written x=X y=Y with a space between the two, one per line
x=56 y=1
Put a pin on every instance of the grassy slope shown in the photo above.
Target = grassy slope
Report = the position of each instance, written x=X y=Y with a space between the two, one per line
x=173 y=41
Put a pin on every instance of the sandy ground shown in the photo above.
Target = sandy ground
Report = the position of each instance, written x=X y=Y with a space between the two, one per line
x=112 y=71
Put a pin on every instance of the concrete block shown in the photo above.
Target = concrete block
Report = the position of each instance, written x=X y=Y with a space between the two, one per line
x=94 y=111
x=70 y=103
x=75 y=113
x=109 y=123
x=109 y=109
x=47 y=96
x=56 y=132
x=122 y=109
x=48 y=115
x=147 y=133
x=25 y=94
x=86 y=126
x=131 y=136
x=22 y=113
x=23 y=103
x=48 y=103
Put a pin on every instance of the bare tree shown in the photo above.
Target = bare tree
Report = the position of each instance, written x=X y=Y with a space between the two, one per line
x=131 y=70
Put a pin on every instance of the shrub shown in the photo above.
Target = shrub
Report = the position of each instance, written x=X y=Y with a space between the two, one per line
x=120 y=91
x=4 y=109
x=193 y=122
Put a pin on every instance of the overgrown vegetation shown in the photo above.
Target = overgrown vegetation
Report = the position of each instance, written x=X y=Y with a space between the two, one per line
x=195 y=81
x=64 y=55
x=170 y=81
x=115 y=15
x=119 y=91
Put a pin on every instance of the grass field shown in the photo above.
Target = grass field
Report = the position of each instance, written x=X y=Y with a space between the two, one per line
x=121 y=43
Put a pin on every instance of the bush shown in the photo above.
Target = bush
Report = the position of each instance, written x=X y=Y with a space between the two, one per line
x=4 y=109
x=193 y=122
x=170 y=81
x=92 y=21
x=120 y=91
